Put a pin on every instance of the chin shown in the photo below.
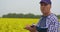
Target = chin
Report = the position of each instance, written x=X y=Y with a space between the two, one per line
x=44 y=13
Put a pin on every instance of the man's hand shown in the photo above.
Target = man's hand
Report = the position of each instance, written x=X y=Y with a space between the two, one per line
x=31 y=29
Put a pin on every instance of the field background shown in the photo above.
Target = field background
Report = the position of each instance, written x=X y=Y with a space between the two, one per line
x=15 y=24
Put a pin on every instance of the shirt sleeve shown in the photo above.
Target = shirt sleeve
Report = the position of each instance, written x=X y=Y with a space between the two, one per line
x=52 y=24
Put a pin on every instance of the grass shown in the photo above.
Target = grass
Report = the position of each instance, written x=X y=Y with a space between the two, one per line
x=15 y=24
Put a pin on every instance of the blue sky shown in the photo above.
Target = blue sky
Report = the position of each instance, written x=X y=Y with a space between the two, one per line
x=26 y=6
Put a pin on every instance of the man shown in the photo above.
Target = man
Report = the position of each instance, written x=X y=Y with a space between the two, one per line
x=48 y=21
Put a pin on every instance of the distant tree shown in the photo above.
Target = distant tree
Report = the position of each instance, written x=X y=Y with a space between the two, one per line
x=29 y=15
x=9 y=15
x=4 y=16
x=20 y=15
x=58 y=16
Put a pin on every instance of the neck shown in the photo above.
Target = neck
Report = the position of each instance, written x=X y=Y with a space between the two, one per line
x=46 y=14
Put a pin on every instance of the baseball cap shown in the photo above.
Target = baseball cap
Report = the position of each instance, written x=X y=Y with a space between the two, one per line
x=46 y=1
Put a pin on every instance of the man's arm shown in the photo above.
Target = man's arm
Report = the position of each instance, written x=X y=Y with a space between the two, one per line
x=39 y=29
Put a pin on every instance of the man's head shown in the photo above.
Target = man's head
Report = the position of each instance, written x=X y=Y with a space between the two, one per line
x=45 y=6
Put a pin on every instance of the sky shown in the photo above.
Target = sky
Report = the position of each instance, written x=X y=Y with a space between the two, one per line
x=26 y=6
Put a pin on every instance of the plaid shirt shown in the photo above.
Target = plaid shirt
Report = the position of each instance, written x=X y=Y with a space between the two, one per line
x=50 y=22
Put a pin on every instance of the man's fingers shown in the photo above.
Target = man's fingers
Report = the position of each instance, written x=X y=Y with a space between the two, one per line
x=27 y=27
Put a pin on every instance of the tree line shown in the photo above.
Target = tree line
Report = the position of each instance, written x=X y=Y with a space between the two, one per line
x=21 y=15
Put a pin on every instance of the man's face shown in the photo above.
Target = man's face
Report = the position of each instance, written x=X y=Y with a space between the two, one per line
x=45 y=8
